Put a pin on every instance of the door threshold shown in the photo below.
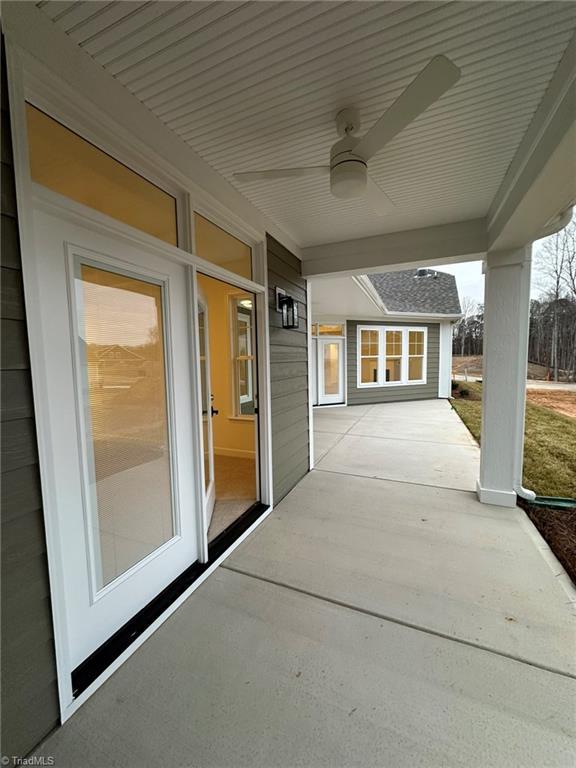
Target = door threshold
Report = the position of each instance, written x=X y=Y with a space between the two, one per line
x=102 y=659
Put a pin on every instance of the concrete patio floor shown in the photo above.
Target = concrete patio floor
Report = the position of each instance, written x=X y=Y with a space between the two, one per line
x=367 y=622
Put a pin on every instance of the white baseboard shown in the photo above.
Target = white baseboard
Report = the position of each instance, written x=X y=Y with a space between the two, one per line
x=497 y=498
x=238 y=453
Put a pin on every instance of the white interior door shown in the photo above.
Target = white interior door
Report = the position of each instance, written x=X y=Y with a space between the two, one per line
x=115 y=319
x=330 y=370
x=206 y=400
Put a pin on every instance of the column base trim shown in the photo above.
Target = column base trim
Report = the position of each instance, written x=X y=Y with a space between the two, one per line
x=497 y=498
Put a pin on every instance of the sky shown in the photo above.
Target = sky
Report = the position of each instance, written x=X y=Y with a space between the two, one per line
x=470 y=280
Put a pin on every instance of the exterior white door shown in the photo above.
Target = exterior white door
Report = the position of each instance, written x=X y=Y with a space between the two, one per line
x=116 y=317
x=207 y=409
x=330 y=370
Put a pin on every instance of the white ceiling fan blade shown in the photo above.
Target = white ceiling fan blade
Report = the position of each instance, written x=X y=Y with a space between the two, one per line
x=436 y=78
x=377 y=199
x=283 y=173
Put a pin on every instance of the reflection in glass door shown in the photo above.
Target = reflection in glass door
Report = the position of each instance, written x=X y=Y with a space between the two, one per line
x=330 y=371
x=120 y=323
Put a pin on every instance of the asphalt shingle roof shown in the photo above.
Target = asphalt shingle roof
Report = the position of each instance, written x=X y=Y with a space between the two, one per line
x=407 y=292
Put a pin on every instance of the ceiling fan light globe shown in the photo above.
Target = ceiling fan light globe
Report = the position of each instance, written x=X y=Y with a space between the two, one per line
x=348 y=179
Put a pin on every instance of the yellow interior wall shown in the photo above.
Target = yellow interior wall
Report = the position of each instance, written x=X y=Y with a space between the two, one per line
x=231 y=436
x=219 y=247
x=68 y=164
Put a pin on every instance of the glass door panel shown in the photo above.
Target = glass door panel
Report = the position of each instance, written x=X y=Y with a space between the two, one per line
x=330 y=371
x=122 y=346
x=331 y=368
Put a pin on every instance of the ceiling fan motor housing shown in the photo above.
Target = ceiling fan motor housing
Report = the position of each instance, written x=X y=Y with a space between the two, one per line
x=348 y=171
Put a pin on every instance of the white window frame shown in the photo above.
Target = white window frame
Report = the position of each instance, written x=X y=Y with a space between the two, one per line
x=238 y=399
x=424 y=356
x=404 y=381
x=359 y=356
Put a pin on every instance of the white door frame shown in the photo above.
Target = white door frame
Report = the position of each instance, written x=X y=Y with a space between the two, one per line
x=209 y=493
x=339 y=398
x=27 y=80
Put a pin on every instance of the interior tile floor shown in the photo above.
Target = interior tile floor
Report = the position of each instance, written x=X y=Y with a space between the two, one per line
x=235 y=491
x=369 y=621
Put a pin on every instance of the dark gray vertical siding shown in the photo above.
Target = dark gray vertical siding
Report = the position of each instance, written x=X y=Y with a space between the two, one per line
x=389 y=394
x=29 y=692
x=288 y=374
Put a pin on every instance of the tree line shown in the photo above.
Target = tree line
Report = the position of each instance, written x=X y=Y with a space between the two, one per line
x=552 y=338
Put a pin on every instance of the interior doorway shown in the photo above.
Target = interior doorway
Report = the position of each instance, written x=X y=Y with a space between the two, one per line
x=229 y=401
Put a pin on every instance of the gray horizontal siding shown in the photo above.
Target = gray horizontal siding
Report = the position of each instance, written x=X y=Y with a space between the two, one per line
x=29 y=692
x=389 y=394
x=288 y=374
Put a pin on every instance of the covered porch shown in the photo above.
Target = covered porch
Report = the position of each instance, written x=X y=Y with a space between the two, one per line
x=395 y=608
x=367 y=622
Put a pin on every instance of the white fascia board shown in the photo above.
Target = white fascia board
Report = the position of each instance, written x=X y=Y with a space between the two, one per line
x=441 y=244
x=541 y=180
x=432 y=316
x=366 y=286
x=38 y=40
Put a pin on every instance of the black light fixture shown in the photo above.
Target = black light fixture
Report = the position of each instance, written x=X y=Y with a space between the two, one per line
x=288 y=307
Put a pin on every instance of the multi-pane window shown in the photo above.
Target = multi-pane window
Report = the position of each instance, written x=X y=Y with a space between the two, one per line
x=415 y=355
x=391 y=356
x=369 y=355
x=243 y=356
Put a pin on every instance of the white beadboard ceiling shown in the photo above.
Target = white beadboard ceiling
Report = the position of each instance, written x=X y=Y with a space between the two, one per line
x=251 y=85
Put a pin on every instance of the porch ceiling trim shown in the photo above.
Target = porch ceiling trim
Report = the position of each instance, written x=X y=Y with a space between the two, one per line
x=541 y=180
x=460 y=241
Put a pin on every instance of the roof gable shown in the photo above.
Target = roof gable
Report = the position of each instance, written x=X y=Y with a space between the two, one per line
x=421 y=291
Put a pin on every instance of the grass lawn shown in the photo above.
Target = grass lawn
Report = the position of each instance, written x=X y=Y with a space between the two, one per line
x=549 y=443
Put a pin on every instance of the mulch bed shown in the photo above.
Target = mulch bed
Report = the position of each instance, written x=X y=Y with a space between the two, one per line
x=558 y=528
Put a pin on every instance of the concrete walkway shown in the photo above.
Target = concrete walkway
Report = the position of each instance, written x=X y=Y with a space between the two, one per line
x=422 y=442
x=530 y=383
x=380 y=617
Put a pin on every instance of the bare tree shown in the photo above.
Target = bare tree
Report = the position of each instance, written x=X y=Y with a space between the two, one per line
x=469 y=309
x=553 y=317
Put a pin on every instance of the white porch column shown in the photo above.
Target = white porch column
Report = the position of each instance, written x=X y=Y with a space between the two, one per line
x=506 y=323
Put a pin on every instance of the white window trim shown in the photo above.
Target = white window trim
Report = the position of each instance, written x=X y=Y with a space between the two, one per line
x=239 y=399
x=404 y=381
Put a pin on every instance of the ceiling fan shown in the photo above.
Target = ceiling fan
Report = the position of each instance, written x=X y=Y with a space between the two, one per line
x=348 y=168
